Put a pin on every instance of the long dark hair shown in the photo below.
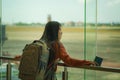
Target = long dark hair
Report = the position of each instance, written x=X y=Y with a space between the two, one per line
x=51 y=31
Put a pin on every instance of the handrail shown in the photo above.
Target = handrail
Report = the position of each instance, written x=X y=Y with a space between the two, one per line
x=8 y=58
x=107 y=69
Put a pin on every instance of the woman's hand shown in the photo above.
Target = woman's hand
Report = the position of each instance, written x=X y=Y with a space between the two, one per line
x=91 y=63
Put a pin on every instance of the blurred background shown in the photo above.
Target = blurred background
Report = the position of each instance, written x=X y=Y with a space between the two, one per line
x=90 y=28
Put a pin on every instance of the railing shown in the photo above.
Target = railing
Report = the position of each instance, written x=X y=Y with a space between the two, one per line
x=65 y=73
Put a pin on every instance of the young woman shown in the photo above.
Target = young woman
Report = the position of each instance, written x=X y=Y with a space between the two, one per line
x=52 y=35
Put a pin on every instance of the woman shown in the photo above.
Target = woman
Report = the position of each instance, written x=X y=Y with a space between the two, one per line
x=52 y=35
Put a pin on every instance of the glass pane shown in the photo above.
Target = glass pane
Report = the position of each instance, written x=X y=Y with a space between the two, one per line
x=24 y=23
x=109 y=32
x=103 y=40
x=108 y=37
x=90 y=36
x=73 y=38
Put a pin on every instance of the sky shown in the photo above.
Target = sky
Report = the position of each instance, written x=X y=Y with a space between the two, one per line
x=36 y=11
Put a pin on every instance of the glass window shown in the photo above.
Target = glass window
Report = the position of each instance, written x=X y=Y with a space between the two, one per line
x=90 y=28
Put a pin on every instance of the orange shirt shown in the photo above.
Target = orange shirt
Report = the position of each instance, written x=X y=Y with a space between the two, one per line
x=62 y=54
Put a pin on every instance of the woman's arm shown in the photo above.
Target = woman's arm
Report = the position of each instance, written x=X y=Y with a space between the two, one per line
x=62 y=54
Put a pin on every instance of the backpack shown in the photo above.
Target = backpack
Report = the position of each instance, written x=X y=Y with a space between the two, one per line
x=34 y=61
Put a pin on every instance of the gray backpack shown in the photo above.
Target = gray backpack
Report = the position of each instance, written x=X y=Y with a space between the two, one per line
x=34 y=61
